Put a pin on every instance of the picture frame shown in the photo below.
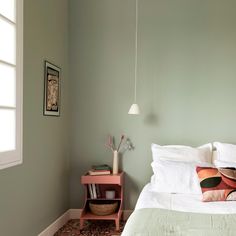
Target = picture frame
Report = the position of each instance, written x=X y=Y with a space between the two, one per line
x=52 y=87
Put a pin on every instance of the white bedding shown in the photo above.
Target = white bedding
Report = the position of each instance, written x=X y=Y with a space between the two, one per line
x=182 y=202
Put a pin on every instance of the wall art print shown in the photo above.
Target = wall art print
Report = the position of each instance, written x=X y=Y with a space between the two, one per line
x=51 y=90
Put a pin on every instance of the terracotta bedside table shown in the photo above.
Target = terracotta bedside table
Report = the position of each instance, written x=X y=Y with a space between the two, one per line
x=104 y=182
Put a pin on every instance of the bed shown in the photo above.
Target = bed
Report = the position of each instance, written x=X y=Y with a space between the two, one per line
x=181 y=214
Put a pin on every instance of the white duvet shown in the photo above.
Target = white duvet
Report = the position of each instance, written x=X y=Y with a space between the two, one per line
x=182 y=202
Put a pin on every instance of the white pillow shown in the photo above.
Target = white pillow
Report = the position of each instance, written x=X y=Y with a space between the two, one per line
x=175 y=177
x=182 y=153
x=225 y=151
x=224 y=164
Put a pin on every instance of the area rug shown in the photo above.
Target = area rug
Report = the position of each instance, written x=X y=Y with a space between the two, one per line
x=91 y=228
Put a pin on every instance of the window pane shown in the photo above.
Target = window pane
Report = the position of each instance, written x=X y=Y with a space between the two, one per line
x=7 y=42
x=7 y=130
x=7 y=85
x=7 y=9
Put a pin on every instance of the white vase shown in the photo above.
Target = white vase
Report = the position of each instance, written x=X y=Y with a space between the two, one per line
x=115 y=163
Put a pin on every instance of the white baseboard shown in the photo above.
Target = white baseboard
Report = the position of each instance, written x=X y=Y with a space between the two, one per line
x=68 y=215
x=75 y=213
x=56 y=225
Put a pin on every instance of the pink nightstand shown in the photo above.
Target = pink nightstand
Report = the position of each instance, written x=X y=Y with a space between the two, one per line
x=105 y=182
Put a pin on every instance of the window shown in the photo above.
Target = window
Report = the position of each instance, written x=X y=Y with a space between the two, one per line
x=11 y=82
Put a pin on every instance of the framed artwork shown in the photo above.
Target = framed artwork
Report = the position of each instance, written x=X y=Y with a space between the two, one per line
x=51 y=89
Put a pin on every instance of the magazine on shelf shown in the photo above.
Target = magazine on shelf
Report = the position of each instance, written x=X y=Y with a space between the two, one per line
x=90 y=191
x=94 y=191
x=99 y=195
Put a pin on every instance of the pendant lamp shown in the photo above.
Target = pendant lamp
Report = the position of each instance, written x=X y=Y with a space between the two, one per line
x=134 y=109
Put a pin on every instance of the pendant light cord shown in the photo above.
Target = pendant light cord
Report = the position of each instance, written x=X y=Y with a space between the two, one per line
x=136 y=51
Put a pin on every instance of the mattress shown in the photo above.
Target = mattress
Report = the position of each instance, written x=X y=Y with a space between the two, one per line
x=182 y=202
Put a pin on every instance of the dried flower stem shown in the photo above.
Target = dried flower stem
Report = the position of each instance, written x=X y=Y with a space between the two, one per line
x=109 y=147
x=121 y=140
x=109 y=143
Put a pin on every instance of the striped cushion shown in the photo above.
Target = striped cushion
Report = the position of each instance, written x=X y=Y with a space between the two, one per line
x=217 y=184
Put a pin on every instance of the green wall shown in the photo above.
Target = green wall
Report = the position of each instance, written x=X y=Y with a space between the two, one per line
x=186 y=80
x=35 y=193
x=186 y=92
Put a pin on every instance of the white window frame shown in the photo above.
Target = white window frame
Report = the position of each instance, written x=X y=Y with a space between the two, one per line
x=15 y=157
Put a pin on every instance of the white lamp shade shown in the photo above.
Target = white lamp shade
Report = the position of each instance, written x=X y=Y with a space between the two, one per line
x=134 y=109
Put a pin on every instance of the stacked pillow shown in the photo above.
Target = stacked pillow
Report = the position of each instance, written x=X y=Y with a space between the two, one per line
x=184 y=169
x=174 y=167
x=175 y=177
x=225 y=152
x=182 y=153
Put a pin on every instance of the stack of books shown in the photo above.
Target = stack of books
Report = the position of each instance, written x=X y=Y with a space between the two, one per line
x=100 y=170
x=94 y=191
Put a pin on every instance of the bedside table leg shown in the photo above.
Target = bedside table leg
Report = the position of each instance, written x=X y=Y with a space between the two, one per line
x=81 y=224
x=117 y=224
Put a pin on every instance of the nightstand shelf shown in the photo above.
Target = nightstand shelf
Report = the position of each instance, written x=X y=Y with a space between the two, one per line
x=91 y=216
x=105 y=182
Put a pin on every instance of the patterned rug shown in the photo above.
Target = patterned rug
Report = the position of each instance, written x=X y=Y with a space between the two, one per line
x=91 y=228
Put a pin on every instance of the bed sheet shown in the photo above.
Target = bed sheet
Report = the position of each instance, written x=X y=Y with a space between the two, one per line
x=182 y=202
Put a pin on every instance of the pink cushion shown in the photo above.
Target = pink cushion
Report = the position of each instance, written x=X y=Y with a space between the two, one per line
x=217 y=184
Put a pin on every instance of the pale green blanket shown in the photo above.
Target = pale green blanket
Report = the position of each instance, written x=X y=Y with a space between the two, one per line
x=161 y=222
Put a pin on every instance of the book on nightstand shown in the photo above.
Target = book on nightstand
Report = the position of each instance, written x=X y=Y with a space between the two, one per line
x=100 y=170
x=101 y=167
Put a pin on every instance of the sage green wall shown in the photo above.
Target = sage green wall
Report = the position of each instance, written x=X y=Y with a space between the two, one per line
x=35 y=193
x=186 y=80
